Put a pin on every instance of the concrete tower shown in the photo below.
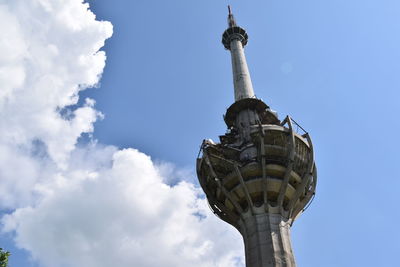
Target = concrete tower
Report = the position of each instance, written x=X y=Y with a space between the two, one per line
x=261 y=175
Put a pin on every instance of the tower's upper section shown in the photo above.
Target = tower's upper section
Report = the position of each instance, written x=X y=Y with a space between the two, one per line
x=234 y=39
x=261 y=164
x=233 y=32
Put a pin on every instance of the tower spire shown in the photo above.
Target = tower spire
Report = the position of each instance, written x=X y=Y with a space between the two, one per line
x=234 y=39
x=231 y=19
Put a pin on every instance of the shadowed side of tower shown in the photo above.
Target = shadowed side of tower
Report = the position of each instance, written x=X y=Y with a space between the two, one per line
x=261 y=175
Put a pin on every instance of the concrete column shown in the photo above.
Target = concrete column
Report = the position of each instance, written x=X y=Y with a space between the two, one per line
x=267 y=241
x=241 y=74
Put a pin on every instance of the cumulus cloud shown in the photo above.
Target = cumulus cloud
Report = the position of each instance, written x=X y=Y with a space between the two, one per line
x=88 y=205
x=124 y=215
x=48 y=53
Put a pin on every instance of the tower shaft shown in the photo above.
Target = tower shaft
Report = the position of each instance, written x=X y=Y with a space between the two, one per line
x=267 y=241
x=234 y=39
x=241 y=75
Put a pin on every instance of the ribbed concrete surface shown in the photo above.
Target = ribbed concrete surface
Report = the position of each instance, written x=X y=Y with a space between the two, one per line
x=267 y=241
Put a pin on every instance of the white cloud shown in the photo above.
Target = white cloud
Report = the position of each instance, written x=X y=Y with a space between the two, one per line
x=93 y=205
x=124 y=216
x=48 y=53
x=56 y=55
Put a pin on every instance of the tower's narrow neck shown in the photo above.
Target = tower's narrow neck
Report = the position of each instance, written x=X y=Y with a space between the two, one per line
x=267 y=241
x=241 y=75
x=234 y=39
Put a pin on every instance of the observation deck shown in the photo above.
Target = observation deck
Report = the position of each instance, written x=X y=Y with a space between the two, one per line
x=274 y=172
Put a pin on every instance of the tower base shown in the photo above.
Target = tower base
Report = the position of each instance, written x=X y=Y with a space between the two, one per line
x=267 y=240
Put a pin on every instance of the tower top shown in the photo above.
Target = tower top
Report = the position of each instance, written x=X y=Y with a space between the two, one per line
x=234 y=39
x=231 y=19
x=233 y=32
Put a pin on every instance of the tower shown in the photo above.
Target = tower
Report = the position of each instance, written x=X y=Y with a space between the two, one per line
x=262 y=174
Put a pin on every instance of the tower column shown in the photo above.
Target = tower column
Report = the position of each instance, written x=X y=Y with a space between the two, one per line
x=262 y=174
x=241 y=75
x=234 y=39
x=267 y=241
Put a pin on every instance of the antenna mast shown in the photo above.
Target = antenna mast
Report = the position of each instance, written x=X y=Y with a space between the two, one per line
x=231 y=19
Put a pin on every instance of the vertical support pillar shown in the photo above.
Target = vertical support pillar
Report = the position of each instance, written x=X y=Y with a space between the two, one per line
x=241 y=75
x=267 y=241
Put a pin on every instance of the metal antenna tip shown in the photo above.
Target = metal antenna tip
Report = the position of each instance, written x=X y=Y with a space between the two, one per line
x=231 y=19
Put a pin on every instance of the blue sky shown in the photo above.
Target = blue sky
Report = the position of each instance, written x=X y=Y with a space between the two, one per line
x=332 y=65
